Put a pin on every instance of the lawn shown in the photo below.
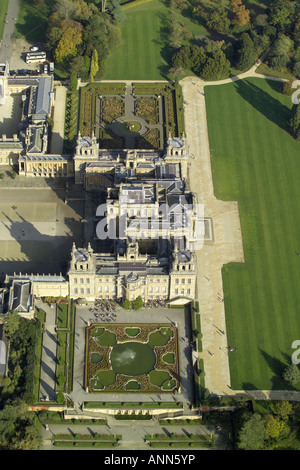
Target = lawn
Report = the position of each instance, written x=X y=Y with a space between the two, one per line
x=256 y=162
x=145 y=53
x=32 y=21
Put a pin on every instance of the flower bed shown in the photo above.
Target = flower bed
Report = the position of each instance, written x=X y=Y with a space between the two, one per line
x=111 y=109
x=147 y=109
x=150 y=140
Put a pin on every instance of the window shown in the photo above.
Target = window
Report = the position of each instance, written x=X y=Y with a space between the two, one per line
x=100 y=289
x=176 y=281
x=189 y=281
x=182 y=291
x=88 y=291
x=176 y=291
x=88 y=280
x=75 y=291
x=189 y=291
x=182 y=281
x=81 y=291
x=75 y=280
x=81 y=280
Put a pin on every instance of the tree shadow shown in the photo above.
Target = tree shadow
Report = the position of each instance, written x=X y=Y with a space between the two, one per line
x=263 y=102
x=277 y=368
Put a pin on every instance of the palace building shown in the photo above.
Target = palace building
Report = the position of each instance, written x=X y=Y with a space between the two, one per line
x=149 y=215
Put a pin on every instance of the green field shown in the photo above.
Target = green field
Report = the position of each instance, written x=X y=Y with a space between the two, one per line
x=256 y=162
x=32 y=21
x=145 y=52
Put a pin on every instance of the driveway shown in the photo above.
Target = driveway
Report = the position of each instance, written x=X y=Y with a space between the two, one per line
x=58 y=131
x=9 y=31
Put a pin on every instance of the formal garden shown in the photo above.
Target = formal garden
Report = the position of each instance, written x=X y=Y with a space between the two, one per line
x=140 y=117
x=139 y=358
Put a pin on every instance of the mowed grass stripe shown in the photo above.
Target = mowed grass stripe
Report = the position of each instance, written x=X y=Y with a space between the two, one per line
x=139 y=56
x=261 y=296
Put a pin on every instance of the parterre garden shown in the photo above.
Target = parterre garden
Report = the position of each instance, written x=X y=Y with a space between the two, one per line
x=139 y=358
x=101 y=104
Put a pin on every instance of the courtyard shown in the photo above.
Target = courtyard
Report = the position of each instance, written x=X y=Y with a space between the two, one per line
x=37 y=227
x=175 y=320
x=136 y=358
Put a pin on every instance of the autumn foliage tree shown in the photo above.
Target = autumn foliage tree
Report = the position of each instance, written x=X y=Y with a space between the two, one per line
x=75 y=29
x=71 y=38
x=240 y=14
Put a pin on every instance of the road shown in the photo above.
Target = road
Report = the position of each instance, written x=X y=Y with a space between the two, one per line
x=9 y=31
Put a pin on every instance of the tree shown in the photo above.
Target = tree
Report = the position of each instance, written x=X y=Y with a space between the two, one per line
x=284 y=409
x=240 y=15
x=82 y=10
x=281 y=13
x=280 y=61
x=283 y=45
x=60 y=398
x=218 y=20
x=216 y=67
x=247 y=52
x=102 y=35
x=126 y=304
x=70 y=40
x=73 y=81
x=296 y=69
x=12 y=323
x=287 y=88
x=115 y=9
x=65 y=9
x=18 y=429
x=190 y=58
x=138 y=303
x=94 y=65
x=252 y=433
x=274 y=427
x=292 y=374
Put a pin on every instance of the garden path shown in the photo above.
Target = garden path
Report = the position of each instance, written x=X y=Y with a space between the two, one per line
x=49 y=347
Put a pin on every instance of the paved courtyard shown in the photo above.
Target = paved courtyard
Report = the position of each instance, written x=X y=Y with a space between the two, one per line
x=10 y=114
x=37 y=229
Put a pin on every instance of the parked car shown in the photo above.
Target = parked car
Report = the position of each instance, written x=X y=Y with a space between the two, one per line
x=34 y=49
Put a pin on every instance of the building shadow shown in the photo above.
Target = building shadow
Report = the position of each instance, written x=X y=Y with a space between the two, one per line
x=40 y=253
